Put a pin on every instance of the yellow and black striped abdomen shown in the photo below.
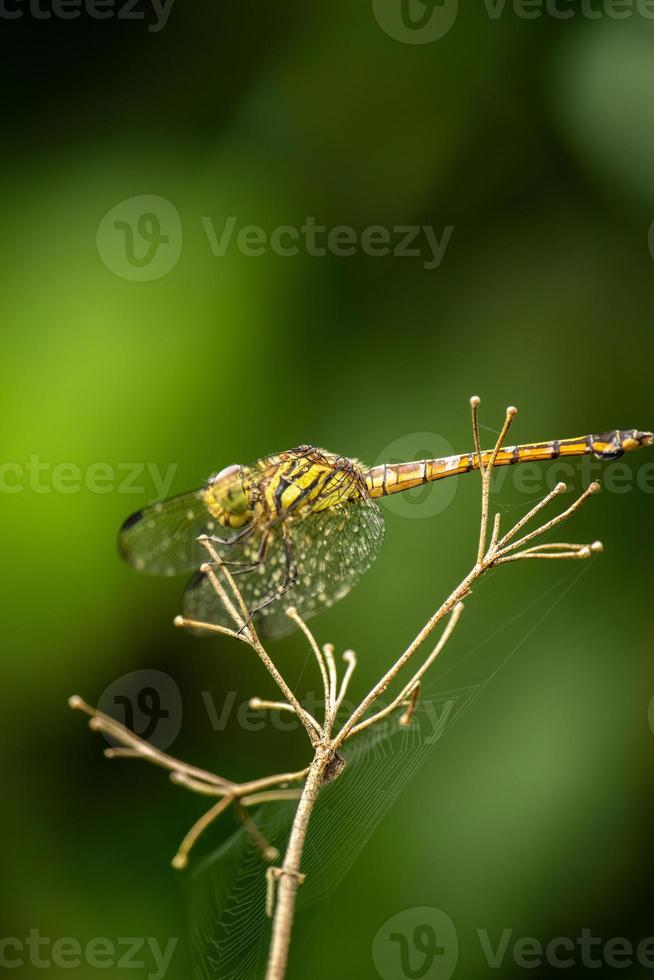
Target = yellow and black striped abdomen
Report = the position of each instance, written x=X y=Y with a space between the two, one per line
x=395 y=477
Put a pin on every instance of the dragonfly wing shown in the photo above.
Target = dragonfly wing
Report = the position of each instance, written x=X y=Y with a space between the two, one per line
x=332 y=549
x=161 y=539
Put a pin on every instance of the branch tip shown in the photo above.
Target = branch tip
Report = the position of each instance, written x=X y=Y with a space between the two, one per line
x=475 y=401
x=597 y=547
x=561 y=487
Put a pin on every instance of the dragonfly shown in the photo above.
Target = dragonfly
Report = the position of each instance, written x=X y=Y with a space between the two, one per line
x=304 y=523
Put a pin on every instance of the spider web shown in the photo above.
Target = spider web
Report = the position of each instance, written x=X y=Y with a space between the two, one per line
x=227 y=892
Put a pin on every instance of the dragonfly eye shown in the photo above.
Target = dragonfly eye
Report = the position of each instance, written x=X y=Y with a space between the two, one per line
x=228 y=471
x=227 y=498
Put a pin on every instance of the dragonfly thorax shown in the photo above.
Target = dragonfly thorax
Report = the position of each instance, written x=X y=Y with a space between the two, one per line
x=227 y=498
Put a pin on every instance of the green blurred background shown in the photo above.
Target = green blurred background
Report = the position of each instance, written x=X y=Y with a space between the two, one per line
x=533 y=139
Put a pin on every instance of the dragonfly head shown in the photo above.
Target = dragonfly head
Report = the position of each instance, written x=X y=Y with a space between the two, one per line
x=227 y=499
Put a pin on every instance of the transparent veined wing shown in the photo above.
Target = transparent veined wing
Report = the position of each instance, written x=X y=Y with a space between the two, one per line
x=332 y=549
x=161 y=538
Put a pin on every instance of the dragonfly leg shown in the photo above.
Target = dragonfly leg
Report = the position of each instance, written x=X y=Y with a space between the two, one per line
x=235 y=538
x=289 y=581
x=249 y=566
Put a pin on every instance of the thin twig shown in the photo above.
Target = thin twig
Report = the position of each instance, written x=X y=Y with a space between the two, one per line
x=328 y=653
x=181 y=858
x=250 y=636
x=350 y=658
x=259 y=704
x=405 y=719
x=271 y=796
x=195 y=624
x=544 y=528
x=584 y=551
x=109 y=726
x=408 y=688
x=559 y=488
x=486 y=471
x=215 y=557
x=268 y=851
x=293 y=615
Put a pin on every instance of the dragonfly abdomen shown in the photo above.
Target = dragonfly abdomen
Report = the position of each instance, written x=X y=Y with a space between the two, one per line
x=394 y=477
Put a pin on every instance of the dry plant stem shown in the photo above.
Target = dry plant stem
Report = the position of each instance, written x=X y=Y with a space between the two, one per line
x=496 y=530
x=271 y=796
x=195 y=785
x=264 y=789
x=495 y=555
x=289 y=876
x=207 y=568
x=408 y=689
x=325 y=744
x=581 y=552
x=195 y=624
x=350 y=658
x=207 y=544
x=486 y=471
x=377 y=691
x=140 y=749
x=328 y=653
x=285 y=689
x=249 y=634
x=268 y=852
x=258 y=704
x=497 y=552
x=593 y=488
x=406 y=717
x=181 y=858
x=292 y=613
x=559 y=488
